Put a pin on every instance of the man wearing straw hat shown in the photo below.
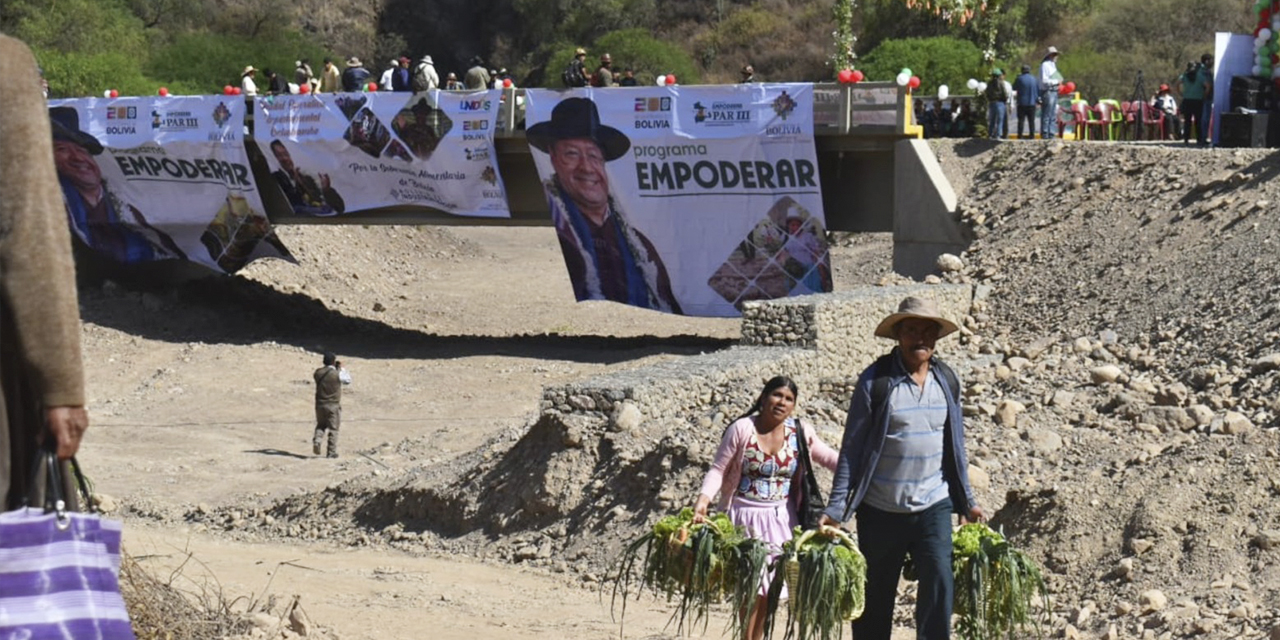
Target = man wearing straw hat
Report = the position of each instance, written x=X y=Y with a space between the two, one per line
x=902 y=471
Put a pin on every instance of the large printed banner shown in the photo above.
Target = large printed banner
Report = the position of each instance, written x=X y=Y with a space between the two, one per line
x=336 y=154
x=688 y=200
x=161 y=178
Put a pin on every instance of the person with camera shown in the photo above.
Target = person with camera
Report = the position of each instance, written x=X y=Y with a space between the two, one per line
x=1193 y=84
x=329 y=381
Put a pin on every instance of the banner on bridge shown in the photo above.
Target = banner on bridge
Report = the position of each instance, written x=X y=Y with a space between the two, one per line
x=161 y=178
x=340 y=154
x=687 y=200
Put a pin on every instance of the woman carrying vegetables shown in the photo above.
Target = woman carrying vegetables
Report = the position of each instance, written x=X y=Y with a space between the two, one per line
x=756 y=473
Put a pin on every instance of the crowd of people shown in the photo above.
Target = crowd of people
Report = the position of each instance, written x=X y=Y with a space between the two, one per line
x=1036 y=94
x=401 y=74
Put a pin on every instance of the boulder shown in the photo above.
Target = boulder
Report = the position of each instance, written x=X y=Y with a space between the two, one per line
x=1007 y=412
x=1236 y=423
x=1105 y=373
x=1168 y=419
x=1152 y=600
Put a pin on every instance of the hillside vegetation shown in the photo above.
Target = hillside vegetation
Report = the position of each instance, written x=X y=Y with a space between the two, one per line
x=197 y=46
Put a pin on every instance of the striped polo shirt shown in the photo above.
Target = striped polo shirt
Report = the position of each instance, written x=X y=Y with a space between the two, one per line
x=908 y=476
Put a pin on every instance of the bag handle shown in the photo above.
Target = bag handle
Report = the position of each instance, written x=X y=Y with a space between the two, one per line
x=51 y=484
x=802 y=444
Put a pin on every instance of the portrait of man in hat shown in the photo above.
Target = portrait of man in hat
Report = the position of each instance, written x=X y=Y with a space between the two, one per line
x=608 y=259
x=902 y=471
x=104 y=223
x=307 y=194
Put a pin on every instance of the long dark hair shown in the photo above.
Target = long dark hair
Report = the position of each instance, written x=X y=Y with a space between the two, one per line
x=774 y=383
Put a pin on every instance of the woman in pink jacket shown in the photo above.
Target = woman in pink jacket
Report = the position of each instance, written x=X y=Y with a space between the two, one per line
x=757 y=472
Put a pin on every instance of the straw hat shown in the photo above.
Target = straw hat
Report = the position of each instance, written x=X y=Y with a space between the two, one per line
x=913 y=307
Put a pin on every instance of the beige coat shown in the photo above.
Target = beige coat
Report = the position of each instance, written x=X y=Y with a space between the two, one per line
x=39 y=316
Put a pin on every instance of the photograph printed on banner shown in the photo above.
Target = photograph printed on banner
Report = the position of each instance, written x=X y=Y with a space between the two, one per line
x=607 y=256
x=784 y=255
x=191 y=146
x=350 y=154
x=421 y=125
x=309 y=194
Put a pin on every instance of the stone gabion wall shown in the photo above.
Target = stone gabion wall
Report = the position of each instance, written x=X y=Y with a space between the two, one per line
x=821 y=341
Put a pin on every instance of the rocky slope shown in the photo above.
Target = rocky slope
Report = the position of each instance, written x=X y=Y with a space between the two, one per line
x=1119 y=362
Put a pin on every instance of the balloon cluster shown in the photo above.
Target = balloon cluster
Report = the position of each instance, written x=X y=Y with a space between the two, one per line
x=229 y=90
x=666 y=80
x=1266 y=40
x=111 y=93
x=1066 y=88
x=164 y=91
x=850 y=76
x=906 y=79
x=976 y=85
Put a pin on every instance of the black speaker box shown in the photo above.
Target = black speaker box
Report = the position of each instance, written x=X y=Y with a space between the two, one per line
x=1244 y=130
x=1248 y=83
x=1259 y=100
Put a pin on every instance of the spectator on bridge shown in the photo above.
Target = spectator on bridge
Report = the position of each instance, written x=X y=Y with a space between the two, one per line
x=451 y=83
x=477 y=77
x=748 y=75
x=400 y=79
x=330 y=78
x=43 y=395
x=997 y=95
x=302 y=74
x=424 y=76
x=247 y=86
x=628 y=78
x=384 y=82
x=603 y=76
x=275 y=84
x=1027 y=89
x=356 y=77
x=1167 y=107
x=1049 y=81
x=962 y=122
x=937 y=121
x=607 y=258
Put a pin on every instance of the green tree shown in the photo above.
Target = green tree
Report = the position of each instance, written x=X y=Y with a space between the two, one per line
x=937 y=61
x=635 y=48
x=205 y=62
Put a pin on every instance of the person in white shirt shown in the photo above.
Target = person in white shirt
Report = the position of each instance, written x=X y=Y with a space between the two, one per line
x=385 y=82
x=1049 y=81
x=247 y=85
x=1167 y=107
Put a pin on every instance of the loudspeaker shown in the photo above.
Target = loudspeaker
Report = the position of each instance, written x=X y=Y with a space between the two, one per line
x=1244 y=130
x=1251 y=92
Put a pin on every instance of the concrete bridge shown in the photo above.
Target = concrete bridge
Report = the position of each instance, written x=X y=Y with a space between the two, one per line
x=876 y=172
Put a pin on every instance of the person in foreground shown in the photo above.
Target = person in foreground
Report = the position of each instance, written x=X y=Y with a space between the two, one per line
x=329 y=381
x=757 y=474
x=903 y=471
x=40 y=366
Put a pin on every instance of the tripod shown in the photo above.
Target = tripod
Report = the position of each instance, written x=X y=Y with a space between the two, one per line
x=1140 y=98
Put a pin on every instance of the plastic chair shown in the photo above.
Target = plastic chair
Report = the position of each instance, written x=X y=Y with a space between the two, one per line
x=1153 y=122
x=1077 y=116
x=1129 y=113
x=1106 y=118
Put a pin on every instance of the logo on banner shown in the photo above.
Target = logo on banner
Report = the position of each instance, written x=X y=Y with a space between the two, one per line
x=174 y=120
x=721 y=114
x=122 y=113
x=653 y=113
x=474 y=129
x=490 y=176
x=479 y=153
x=475 y=105
x=116 y=114
x=221 y=114
x=783 y=105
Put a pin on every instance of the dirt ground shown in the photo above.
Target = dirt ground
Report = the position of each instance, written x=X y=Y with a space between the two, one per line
x=201 y=398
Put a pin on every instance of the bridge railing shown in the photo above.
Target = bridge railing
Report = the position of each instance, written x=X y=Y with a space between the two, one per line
x=867 y=108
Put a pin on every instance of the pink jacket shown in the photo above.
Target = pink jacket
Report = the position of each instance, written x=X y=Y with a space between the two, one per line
x=726 y=469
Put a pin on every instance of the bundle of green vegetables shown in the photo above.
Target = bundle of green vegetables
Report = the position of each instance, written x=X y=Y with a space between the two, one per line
x=826 y=576
x=695 y=564
x=996 y=586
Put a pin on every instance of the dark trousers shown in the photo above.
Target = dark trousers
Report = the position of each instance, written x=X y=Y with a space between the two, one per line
x=885 y=538
x=1193 y=110
x=328 y=419
x=1027 y=113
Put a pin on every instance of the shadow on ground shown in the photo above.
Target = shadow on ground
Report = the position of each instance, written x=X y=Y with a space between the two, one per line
x=233 y=310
